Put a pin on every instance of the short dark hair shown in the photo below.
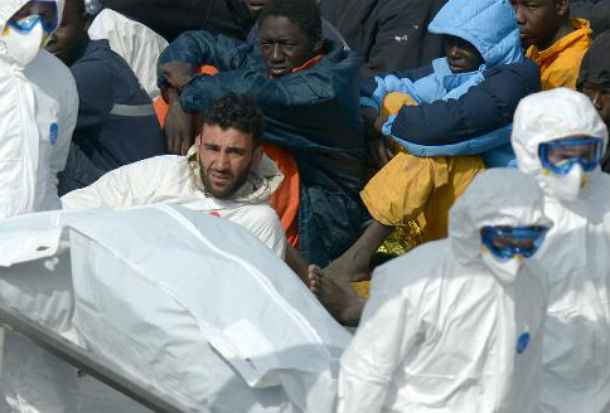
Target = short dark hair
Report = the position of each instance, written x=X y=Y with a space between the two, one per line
x=237 y=112
x=304 y=13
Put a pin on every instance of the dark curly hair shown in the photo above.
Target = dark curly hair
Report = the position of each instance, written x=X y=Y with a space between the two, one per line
x=237 y=112
x=304 y=13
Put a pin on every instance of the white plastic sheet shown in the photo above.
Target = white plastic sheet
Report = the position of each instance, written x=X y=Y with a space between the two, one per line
x=193 y=305
x=139 y=45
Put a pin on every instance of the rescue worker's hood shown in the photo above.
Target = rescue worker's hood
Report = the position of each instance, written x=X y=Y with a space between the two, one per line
x=551 y=115
x=499 y=196
x=489 y=25
x=595 y=66
x=8 y=8
x=264 y=179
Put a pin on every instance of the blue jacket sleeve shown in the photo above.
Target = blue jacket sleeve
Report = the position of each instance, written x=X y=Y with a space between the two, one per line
x=294 y=105
x=484 y=108
x=202 y=48
x=374 y=88
x=298 y=89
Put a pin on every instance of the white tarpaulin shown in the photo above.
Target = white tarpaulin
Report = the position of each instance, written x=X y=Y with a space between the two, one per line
x=191 y=304
x=136 y=43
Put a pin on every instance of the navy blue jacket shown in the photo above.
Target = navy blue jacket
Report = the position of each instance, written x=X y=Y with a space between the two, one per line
x=484 y=108
x=313 y=113
x=116 y=121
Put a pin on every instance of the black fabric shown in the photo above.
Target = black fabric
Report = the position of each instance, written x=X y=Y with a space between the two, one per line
x=582 y=8
x=103 y=140
x=595 y=66
x=391 y=34
x=596 y=11
x=170 y=18
x=314 y=114
x=486 y=107
x=600 y=17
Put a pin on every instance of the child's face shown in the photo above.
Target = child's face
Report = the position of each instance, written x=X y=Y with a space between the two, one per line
x=461 y=55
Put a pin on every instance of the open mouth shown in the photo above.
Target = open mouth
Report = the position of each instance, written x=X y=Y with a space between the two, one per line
x=526 y=38
x=255 y=5
x=220 y=179
x=458 y=65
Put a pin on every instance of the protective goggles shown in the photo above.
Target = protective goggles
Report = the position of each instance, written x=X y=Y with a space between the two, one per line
x=44 y=11
x=560 y=155
x=506 y=242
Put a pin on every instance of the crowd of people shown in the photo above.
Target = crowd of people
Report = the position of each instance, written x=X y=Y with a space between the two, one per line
x=433 y=171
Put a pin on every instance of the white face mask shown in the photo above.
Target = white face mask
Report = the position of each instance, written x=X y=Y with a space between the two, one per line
x=504 y=270
x=22 y=48
x=566 y=187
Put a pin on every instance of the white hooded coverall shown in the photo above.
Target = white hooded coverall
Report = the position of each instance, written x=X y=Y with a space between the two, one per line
x=576 y=256
x=37 y=117
x=441 y=332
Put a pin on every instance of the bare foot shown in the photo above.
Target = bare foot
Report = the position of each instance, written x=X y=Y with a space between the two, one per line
x=343 y=272
x=340 y=300
x=314 y=274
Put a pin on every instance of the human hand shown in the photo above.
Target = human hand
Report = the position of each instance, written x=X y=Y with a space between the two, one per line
x=178 y=74
x=179 y=129
x=382 y=118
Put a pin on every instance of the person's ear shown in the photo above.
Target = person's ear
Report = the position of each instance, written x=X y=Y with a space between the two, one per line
x=257 y=155
x=562 y=7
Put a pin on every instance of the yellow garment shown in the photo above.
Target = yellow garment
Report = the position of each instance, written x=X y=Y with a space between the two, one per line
x=394 y=101
x=414 y=194
x=560 y=63
x=421 y=190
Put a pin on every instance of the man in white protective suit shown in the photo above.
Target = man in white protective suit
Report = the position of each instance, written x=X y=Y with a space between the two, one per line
x=37 y=117
x=560 y=139
x=38 y=110
x=456 y=325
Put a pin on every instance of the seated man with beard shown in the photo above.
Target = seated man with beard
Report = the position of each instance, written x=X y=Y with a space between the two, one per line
x=225 y=174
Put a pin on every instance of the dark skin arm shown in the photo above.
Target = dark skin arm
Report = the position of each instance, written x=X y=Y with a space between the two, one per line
x=379 y=148
x=354 y=264
x=297 y=263
x=179 y=128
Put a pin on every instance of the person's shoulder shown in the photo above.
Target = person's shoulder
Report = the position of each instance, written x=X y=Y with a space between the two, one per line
x=48 y=67
x=262 y=221
x=164 y=161
x=259 y=215
x=525 y=75
x=338 y=58
x=525 y=69
x=99 y=60
x=52 y=76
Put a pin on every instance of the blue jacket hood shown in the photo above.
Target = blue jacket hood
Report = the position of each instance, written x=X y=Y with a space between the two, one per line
x=489 y=25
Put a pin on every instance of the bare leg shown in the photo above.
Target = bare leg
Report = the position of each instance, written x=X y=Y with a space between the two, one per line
x=354 y=264
x=297 y=263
